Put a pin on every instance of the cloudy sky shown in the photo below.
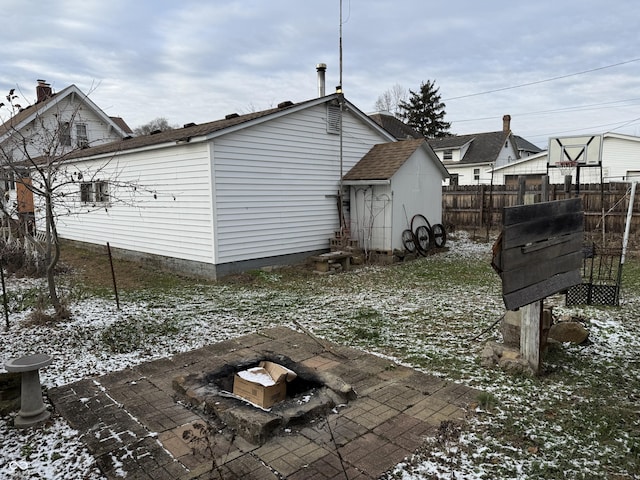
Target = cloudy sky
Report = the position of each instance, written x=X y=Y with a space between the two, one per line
x=558 y=67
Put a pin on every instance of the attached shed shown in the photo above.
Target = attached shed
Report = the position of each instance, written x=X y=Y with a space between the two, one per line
x=239 y=193
x=388 y=186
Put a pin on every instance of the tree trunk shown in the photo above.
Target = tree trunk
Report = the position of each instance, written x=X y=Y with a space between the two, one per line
x=52 y=257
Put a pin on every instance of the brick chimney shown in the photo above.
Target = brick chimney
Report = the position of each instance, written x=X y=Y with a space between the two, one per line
x=43 y=91
x=506 y=123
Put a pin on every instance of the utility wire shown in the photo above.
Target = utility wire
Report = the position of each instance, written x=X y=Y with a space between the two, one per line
x=591 y=106
x=543 y=81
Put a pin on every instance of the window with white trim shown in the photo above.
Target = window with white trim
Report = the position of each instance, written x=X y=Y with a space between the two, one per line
x=447 y=155
x=94 y=192
x=65 y=134
x=476 y=174
x=82 y=139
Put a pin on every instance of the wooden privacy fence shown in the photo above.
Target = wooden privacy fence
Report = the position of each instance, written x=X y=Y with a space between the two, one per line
x=481 y=206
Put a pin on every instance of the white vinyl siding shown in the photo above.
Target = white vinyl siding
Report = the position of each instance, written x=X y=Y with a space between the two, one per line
x=276 y=184
x=168 y=214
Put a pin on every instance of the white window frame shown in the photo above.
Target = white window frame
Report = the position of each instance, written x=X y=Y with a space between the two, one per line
x=65 y=134
x=94 y=192
x=476 y=174
x=82 y=135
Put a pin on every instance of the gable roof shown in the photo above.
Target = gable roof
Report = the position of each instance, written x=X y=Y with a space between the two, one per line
x=27 y=115
x=122 y=124
x=394 y=125
x=525 y=145
x=483 y=148
x=209 y=130
x=384 y=160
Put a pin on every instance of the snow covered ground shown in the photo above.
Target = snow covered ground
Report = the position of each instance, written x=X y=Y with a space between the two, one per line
x=576 y=421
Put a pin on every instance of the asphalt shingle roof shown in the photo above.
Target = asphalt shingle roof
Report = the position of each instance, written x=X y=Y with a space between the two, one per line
x=484 y=147
x=526 y=145
x=394 y=126
x=383 y=160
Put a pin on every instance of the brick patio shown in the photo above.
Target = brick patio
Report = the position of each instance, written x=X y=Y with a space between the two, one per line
x=132 y=423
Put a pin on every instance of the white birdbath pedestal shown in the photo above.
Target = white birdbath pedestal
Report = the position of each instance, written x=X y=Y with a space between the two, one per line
x=32 y=409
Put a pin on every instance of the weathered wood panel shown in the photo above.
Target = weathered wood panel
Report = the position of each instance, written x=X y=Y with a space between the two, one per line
x=519 y=298
x=539 y=252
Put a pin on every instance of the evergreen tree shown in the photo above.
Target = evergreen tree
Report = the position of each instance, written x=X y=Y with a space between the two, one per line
x=424 y=111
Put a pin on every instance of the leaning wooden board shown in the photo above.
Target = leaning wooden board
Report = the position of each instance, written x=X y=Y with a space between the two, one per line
x=539 y=251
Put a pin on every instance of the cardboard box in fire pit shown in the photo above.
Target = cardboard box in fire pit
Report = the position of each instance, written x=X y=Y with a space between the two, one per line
x=264 y=385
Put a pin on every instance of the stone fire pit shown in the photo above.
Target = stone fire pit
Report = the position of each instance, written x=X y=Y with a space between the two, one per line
x=310 y=395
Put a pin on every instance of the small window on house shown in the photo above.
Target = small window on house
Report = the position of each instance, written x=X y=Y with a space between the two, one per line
x=65 y=134
x=476 y=174
x=82 y=138
x=9 y=180
x=454 y=179
x=333 y=118
x=447 y=155
x=94 y=192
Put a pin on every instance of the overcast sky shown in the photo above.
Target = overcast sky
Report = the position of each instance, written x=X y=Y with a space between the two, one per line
x=196 y=61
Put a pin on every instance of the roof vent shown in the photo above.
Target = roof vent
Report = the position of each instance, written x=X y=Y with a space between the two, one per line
x=190 y=124
x=155 y=132
x=285 y=104
x=230 y=116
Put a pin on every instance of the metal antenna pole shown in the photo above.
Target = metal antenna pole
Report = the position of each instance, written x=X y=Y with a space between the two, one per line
x=340 y=43
x=341 y=103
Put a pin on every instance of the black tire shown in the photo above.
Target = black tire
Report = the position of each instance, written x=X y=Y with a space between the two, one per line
x=418 y=220
x=439 y=235
x=424 y=239
x=409 y=241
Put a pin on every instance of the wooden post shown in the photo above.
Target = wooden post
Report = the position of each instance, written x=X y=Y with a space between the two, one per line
x=530 y=317
x=544 y=188
x=522 y=185
x=481 y=205
x=530 y=325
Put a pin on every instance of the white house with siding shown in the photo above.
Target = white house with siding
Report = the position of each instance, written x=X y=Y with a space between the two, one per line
x=619 y=154
x=239 y=193
x=389 y=185
x=61 y=121
x=57 y=123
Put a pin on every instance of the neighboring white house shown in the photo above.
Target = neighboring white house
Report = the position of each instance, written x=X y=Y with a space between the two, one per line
x=57 y=123
x=471 y=158
x=65 y=120
x=389 y=185
x=239 y=193
x=619 y=154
